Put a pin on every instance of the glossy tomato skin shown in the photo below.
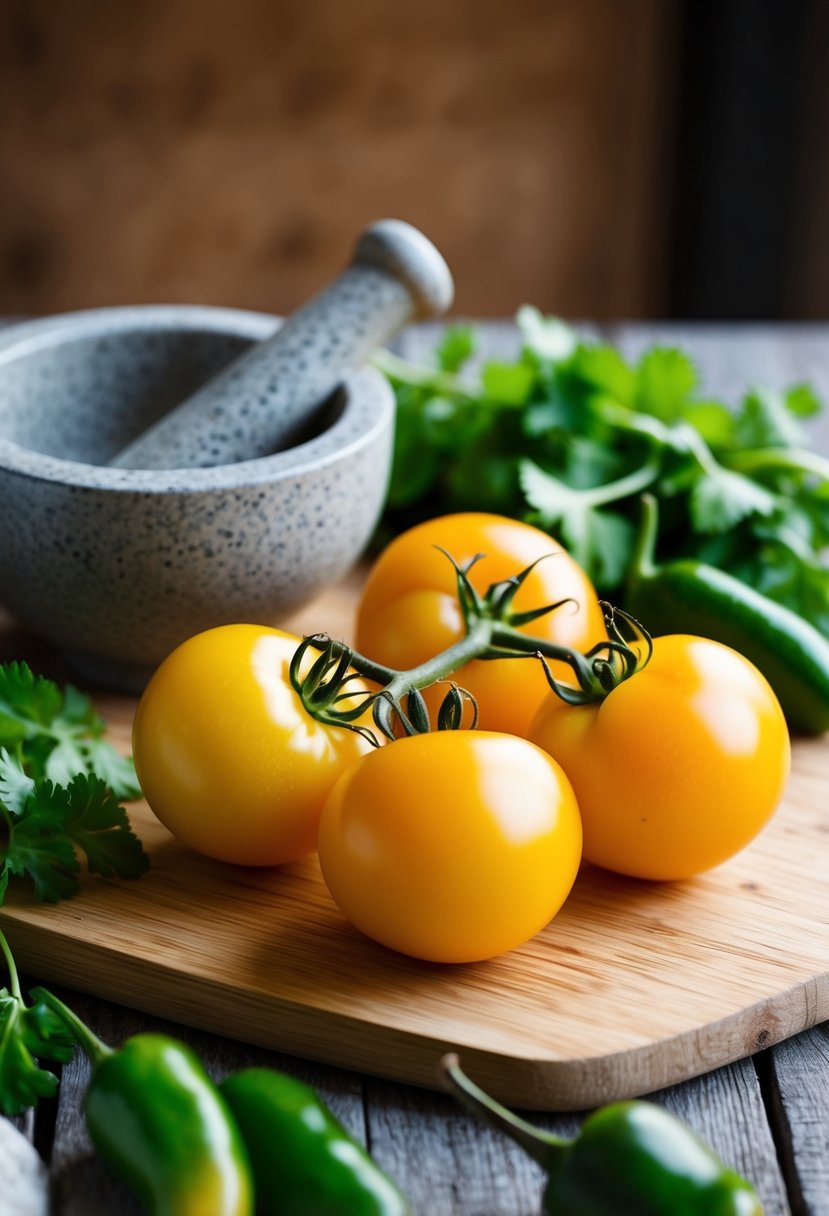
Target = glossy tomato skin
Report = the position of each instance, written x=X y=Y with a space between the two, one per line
x=226 y=755
x=409 y=609
x=454 y=846
x=680 y=767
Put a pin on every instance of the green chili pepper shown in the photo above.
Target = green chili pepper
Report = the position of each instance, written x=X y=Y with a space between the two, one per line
x=686 y=596
x=156 y=1117
x=629 y=1159
x=303 y=1161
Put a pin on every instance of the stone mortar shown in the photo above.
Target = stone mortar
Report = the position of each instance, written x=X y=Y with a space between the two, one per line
x=117 y=566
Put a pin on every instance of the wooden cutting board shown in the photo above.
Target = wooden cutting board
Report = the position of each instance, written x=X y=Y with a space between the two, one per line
x=632 y=987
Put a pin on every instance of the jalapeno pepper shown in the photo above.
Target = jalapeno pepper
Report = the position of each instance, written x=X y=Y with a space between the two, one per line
x=304 y=1162
x=629 y=1159
x=686 y=596
x=156 y=1117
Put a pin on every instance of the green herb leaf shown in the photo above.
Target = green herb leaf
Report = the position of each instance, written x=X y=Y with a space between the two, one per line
x=27 y=1034
x=602 y=371
x=15 y=784
x=731 y=483
x=665 y=379
x=509 y=383
x=791 y=573
x=600 y=541
x=546 y=337
x=53 y=822
x=720 y=499
x=59 y=731
x=769 y=418
x=456 y=347
x=28 y=703
x=712 y=420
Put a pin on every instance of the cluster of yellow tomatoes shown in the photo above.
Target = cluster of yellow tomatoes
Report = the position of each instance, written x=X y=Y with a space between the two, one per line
x=456 y=846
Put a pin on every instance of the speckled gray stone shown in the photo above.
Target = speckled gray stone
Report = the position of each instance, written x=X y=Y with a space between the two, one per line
x=117 y=566
x=259 y=403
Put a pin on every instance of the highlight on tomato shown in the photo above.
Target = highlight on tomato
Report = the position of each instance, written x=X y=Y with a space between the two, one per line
x=454 y=846
x=409 y=608
x=679 y=767
x=226 y=755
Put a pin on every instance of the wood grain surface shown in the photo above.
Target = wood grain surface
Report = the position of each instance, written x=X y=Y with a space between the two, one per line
x=632 y=987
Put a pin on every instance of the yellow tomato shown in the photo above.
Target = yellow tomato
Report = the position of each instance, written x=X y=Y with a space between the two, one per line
x=226 y=755
x=680 y=767
x=454 y=846
x=409 y=609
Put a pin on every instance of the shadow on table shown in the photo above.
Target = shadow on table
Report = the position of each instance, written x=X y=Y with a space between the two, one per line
x=86 y=1187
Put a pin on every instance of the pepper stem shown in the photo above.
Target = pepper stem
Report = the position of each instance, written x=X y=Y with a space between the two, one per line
x=544 y=1147
x=94 y=1047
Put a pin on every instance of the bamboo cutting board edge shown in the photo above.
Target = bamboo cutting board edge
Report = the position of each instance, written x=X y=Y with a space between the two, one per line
x=360 y=1044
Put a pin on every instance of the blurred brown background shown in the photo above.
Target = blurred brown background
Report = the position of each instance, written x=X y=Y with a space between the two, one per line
x=595 y=157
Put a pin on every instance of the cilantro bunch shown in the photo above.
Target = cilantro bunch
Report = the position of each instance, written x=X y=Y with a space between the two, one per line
x=570 y=435
x=28 y=1034
x=60 y=789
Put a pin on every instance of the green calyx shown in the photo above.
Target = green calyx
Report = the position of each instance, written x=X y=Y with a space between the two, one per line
x=493 y=630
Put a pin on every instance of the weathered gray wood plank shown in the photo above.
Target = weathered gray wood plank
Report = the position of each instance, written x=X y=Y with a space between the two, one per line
x=800 y=1105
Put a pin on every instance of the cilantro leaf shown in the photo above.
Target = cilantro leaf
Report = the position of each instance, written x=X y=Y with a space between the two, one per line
x=510 y=383
x=720 y=499
x=456 y=347
x=600 y=541
x=54 y=822
x=769 y=418
x=712 y=420
x=665 y=379
x=28 y=703
x=115 y=770
x=98 y=824
x=60 y=731
x=790 y=573
x=546 y=337
x=603 y=371
x=22 y=1081
x=27 y=1033
x=38 y=849
x=735 y=481
x=15 y=785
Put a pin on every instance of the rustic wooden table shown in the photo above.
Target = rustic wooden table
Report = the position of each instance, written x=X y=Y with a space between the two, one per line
x=767 y=1115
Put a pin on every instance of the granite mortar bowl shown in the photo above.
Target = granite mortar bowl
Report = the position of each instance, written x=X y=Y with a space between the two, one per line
x=117 y=566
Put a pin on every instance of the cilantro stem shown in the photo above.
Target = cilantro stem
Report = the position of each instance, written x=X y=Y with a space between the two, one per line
x=643 y=560
x=624 y=487
x=441 y=383
x=14 y=979
x=795 y=460
x=8 y=823
x=94 y=1047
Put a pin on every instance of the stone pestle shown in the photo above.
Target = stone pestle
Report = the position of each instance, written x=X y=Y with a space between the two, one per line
x=265 y=398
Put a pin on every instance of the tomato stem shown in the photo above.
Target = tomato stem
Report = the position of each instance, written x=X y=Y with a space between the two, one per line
x=492 y=632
